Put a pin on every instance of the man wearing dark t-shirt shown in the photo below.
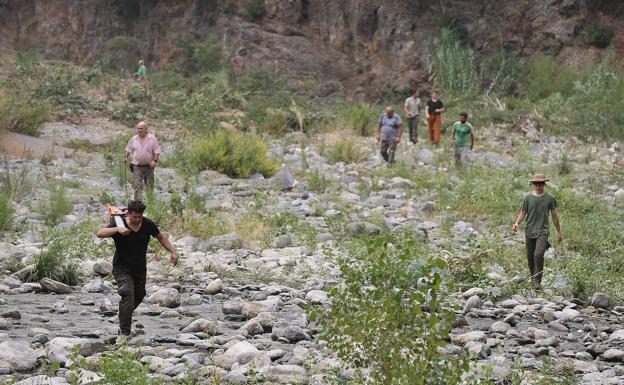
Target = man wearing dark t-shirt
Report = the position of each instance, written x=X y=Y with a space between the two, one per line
x=129 y=263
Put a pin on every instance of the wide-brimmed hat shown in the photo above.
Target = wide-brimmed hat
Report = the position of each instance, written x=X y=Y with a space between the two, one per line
x=539 y=178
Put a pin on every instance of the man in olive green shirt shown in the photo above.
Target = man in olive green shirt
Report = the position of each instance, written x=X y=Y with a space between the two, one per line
x=535 y=208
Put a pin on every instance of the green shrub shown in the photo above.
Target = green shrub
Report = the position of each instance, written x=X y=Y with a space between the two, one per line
x=388 y=316
x=16 y=184
x=22 y=115
x=254 y=10
x=317 y=182
x=123 y=367
x=6 y=212
x=207 y=56
x=345 y=151
x=565 y=165
x=122 y=52
x=58 y=261
x=56 y=206
x=361 y=118
x=545 y=77
x=236 y=154
x=599 y=35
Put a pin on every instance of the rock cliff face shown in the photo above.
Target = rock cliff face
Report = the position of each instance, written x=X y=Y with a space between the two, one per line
x=355 y=42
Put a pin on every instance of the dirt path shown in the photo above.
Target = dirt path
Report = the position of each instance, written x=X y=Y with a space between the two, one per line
x=28 y=147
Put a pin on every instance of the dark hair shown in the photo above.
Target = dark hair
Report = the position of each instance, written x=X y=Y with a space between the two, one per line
x=463 y=114
x=136 y=207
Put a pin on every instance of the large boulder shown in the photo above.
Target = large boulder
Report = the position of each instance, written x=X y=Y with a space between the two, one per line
x=252 y=309
x=54 y=286
x=285 y=374
x=61 y=348
x=166 y=297
x=229 y=241
x=243 y=353
x=20 y=356
x=362 y=228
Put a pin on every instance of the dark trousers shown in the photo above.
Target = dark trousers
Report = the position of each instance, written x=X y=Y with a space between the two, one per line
x=131 y=289
x=412 y=125
x=388 y=148
x=536 y=247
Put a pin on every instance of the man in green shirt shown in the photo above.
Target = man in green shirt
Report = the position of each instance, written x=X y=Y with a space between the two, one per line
x=535 y=208
x=140 y=74
x=462 y=132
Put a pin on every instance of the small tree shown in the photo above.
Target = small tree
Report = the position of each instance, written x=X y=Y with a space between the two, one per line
x=388 y=318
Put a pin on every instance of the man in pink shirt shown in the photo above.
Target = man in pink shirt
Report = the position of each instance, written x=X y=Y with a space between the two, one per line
x=145 y=151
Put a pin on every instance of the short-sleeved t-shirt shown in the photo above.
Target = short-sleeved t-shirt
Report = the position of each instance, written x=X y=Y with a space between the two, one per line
x=131 y=249
x=433 y=106
x=141 y=71
x=390 y=126
x=412 y=105
x=537 y=210
x=462 y=133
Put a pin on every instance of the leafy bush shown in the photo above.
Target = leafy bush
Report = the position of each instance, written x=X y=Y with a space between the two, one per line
x=122 y=52
x=317 y=182
x=123 y=367
x=254 y=10
x=56 y=206
x=599 y=35
x=207 y=56
x=345 y=151
x=388 y=316
x=22 y=115
x=545 y=77
x=361 y=118
x=236 y=154
x=6 y=212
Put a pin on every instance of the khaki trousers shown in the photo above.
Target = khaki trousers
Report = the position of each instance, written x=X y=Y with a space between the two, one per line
x=142 y=176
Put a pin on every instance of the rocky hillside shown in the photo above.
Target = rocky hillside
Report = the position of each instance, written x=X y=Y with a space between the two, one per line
x=356 y=42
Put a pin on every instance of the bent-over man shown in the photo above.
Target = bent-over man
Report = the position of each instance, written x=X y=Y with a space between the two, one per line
x=130 y=261
x=536 y=207
x=145 y=150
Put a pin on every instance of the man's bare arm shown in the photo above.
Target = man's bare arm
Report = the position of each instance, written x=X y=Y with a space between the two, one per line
x=555 y=218
x=167 y=245
x=108 y=232
x=519 y=219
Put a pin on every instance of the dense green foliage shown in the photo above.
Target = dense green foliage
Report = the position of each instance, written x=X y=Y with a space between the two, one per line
x=236 y=154
x=389 y=318
x=599 y=35
x=56 y=206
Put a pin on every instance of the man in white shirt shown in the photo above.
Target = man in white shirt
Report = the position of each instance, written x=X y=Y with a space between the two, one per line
x=412 y=110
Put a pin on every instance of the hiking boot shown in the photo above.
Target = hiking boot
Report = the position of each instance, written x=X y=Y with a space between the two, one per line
x=536 y=285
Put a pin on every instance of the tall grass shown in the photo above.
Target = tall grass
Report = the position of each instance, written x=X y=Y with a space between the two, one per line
x=57 y=205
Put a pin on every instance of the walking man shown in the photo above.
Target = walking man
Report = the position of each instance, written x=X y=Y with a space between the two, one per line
x=145 y=151
x=462 y=131
x=130 y=263
x=412 y=111
x=141 y=72
x=389 y=133
x=536 y=207
x=434 y=111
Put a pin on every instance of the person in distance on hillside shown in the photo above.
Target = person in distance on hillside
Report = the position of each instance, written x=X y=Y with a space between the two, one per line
x=389 y=133
x=130 y=261
x=412 y=111
x=145 y=151
x=434 y=111
x=142 y=71
x=536 y=207
x=462 y=131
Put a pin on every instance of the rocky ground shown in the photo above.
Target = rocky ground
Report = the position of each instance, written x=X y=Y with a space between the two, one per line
x=232 y=306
